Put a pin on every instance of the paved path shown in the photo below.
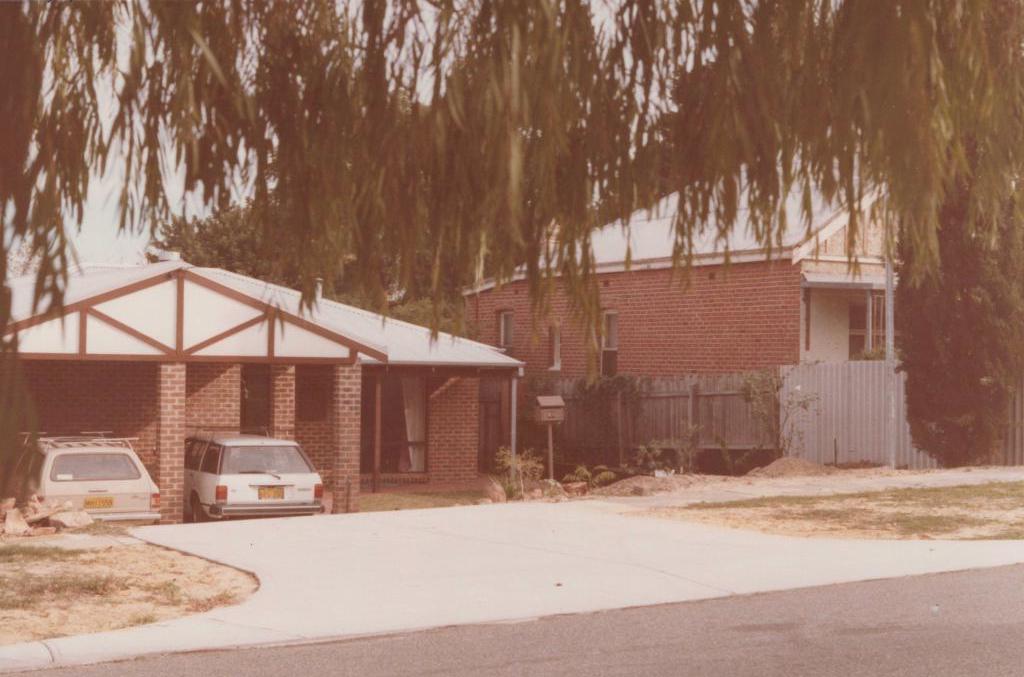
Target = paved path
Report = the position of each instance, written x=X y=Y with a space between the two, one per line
x=966 y=624
x=374 y=573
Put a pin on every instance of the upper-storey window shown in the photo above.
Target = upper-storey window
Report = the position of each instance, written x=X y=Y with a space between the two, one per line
x=609 y=343
x=554 y=347
x=505 y=325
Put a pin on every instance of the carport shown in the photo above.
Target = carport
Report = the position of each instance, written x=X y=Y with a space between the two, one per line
x=158 y=351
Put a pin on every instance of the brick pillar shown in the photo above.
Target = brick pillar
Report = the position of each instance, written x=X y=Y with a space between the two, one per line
x=282 y=401
x=346 y=395
x=170 y=440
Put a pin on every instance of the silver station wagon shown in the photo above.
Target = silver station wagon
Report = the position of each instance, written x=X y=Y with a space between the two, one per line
x=234 y=475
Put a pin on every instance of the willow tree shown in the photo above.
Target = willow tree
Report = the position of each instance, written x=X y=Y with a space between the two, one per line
x=478 y=126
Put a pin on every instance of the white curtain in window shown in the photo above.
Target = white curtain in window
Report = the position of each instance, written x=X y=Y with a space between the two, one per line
x=414 y=398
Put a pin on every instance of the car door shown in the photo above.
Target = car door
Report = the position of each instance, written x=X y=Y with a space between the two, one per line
x=207 y=476
x=193 y=456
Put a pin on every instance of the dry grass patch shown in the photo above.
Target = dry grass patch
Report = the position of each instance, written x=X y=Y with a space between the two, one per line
x=984 y=511
x=412 y=500
x=48 y=591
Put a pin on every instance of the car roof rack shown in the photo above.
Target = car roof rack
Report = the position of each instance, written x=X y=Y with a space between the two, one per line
x=47 y=442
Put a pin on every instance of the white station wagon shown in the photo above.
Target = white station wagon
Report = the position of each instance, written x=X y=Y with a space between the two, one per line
x=230 y=475
x=101 y=475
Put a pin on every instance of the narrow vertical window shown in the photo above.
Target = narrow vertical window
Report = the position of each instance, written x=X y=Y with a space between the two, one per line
x=609 y=343
x=505 y=337
x=555 y=348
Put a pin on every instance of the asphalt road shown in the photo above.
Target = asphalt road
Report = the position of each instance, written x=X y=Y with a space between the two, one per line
x=967 y=623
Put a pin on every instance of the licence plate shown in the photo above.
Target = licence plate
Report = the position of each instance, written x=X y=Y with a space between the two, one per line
x=99 y=502
x=270 y=493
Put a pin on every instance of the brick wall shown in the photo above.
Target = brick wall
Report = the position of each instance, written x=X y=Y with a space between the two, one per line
x=453 y=434
x=345 y=408
x=171 y=407
x=213 y=395
x=312 y=420
x=70 y=397
x=730 y=318
x=282 y=401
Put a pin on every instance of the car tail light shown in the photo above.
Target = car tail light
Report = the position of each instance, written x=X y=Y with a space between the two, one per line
x=154 y=501
x=318 y=491
x=222 y=494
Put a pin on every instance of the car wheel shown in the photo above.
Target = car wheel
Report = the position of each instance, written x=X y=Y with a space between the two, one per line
x=196 y=509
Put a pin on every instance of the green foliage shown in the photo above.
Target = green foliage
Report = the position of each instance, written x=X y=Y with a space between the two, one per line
x=604 y=478
x=960 y=333
x=580 y=474
x=598 y=476
x=461 y=134
x=599 y=402
x=527 y=467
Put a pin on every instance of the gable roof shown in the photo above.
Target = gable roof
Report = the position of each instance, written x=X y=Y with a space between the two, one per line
x=142 y=321
x=648 y=237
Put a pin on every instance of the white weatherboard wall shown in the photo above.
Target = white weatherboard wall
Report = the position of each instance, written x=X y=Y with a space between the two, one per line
x=830 y=327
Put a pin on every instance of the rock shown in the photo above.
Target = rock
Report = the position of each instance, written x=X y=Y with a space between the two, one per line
x=15 y=524
x=494 y=491
x=74 y=519
x=7 y=504
x=552 y=489
x=484 y=501
x=45 y=510
x=576 y=488
x=43 y=531
x=535 y=494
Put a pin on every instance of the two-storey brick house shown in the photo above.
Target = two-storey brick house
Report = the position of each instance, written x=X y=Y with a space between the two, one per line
x=739 y=307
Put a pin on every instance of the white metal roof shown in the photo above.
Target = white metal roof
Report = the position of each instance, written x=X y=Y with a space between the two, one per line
x=648 y=237
x=130 y=312
x=405 y=343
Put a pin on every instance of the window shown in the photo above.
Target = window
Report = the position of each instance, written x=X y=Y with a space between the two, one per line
x=867 y=337
x=555 y=348
x=505 y=325
x=609 y=343
x=259 y=460
x=403 y=443
x=194 y=453
x=84 y=467
x=211 y=461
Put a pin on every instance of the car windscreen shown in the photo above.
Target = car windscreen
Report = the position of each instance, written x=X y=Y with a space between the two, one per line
x=97 y=467
x=272 y=460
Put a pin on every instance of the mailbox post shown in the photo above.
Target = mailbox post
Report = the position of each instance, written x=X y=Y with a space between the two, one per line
x=550 y=410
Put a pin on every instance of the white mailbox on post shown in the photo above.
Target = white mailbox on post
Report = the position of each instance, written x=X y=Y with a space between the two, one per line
x=550 y=410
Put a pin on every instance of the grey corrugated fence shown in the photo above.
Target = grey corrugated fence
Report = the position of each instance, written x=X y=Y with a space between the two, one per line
x=846 y=422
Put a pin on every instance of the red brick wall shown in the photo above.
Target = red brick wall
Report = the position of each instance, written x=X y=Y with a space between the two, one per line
x=345 y=407
x=171 y=407
x=213 y=395
x=282 y=401
x=735 y=318
x=312 y=419
x=453 y=434
x=70 y=397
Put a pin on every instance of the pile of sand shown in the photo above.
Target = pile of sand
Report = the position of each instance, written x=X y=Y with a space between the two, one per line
x=645 y=485
x=790 y=466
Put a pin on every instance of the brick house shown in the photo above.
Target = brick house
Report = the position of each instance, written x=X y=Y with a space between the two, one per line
x=159 y=351
x=740 y=307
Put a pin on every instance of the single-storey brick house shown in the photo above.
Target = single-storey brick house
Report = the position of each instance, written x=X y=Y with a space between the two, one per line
x=159 y=351
x=744 y=307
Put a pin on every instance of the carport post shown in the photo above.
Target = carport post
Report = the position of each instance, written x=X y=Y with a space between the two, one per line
x=512 y=418
x=376 y=430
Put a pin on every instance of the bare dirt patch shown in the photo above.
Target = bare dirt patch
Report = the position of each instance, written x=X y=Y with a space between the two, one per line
x=645 y=485
x=790 y=466
x=48 y=591
x=984 y=511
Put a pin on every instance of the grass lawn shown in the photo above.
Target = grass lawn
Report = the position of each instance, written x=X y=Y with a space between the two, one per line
x=985 y=511
x=410 y=500
x=48 y=591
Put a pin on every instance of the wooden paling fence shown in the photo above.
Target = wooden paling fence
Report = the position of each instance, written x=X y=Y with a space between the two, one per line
x=669 y=410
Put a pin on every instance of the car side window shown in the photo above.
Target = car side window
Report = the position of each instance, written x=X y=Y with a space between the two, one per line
x=211 y=461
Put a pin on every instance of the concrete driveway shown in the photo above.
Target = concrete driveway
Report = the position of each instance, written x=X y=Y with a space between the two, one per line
x=348 y=575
